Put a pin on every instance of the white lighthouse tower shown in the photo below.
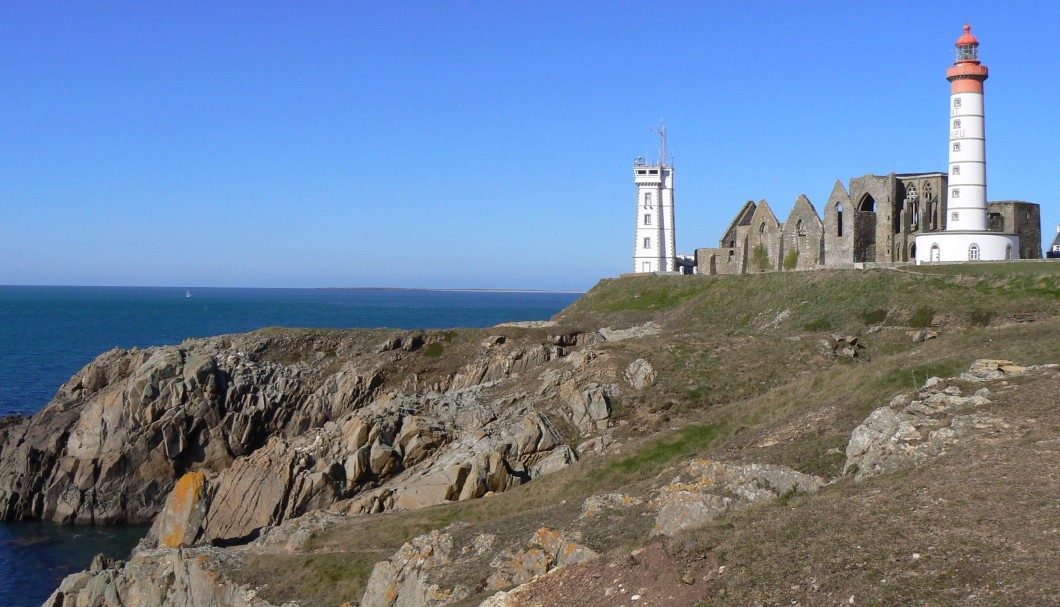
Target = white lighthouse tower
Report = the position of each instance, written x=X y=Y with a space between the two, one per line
x=653 y=249
x=966 y=237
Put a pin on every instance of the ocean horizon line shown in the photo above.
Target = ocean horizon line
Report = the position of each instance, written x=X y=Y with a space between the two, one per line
x=432 y=289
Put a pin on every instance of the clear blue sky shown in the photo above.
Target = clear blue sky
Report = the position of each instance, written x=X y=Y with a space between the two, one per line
x=459 y=144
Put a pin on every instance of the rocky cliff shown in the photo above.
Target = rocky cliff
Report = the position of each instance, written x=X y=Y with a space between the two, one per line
x=284 y=422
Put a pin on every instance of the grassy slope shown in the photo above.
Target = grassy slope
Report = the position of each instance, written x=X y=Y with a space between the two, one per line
x=740 y=379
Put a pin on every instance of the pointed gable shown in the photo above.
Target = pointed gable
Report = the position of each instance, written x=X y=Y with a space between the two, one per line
x=764 y=214
x=838 y=196
x=804 y=210
x=838 y=226
x=743 y=218
x=765 y=230
x=802 y=236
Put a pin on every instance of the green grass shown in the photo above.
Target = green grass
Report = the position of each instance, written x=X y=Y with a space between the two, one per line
x=760 y=258
x=654 y=293
x=847 y=300
x=818 y=324
x=1026 y=267
x=874 y=316
x=980 y=318
x=433 y=349
x=321 y=578
x=649 y=459
x=921 y=317
x=907 y=378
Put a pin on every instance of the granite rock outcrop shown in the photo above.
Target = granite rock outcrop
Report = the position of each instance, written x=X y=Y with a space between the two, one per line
x=915 y=428
x=419 y=574
x=267 y=426
x=704 y=490
x=157 y=578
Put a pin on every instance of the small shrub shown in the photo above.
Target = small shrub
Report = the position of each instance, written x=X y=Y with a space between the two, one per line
x=980 y=318
x=791 y=259
x=872 y=317
x=760 y=258
x=818 y=324
x=784 y=499
x=921 y=317
x=433 y=349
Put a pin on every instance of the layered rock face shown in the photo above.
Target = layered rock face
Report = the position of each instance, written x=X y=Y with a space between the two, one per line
x=110 y=445
x=267 y=426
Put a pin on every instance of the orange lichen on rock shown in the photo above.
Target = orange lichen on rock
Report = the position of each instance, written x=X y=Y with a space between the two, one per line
x=181 y=518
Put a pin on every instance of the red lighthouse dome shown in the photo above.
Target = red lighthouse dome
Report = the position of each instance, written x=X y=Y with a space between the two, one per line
x=967 y=39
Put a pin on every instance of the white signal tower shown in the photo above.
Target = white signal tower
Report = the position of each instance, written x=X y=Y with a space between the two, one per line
x=653 y=249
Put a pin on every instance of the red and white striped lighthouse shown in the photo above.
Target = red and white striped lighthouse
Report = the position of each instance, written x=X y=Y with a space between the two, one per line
x=967 y=166
x=966 y=237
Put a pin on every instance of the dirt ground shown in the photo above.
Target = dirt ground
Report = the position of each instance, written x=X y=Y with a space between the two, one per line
x=978 y=526
x=647 y=577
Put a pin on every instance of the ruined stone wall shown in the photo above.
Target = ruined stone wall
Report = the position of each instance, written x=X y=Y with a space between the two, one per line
x=720 y=260
x=876 y=205
x=765 y=230
x=923 y=210
x=1021 y=218
x=802 y=232
x=875 y=222
x=838 y=229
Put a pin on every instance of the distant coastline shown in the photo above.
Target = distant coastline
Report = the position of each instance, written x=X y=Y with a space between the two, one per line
x=450 y=290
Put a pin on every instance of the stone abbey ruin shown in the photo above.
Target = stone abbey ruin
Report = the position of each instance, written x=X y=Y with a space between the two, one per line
x=873 y=221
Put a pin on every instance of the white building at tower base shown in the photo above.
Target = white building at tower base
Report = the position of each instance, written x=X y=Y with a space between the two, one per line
x=966 y=246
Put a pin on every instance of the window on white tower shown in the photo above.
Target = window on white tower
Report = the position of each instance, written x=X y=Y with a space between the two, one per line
x=957 y=123
x=956 y=169
x=973 y=252
x=957 y=102
x=647 y=242
x=957 y=146
x=956 y=193
x=647 y=199
x=647 y=219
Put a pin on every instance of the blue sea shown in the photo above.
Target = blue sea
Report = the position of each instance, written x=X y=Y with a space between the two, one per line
x=48 y=333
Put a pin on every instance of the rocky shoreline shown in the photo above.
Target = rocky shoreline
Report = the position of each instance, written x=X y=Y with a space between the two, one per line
x=268 y=426
x=257 y=454
x=178 y=569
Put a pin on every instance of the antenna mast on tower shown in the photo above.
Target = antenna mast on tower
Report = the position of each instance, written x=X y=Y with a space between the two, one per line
x=662 y=142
